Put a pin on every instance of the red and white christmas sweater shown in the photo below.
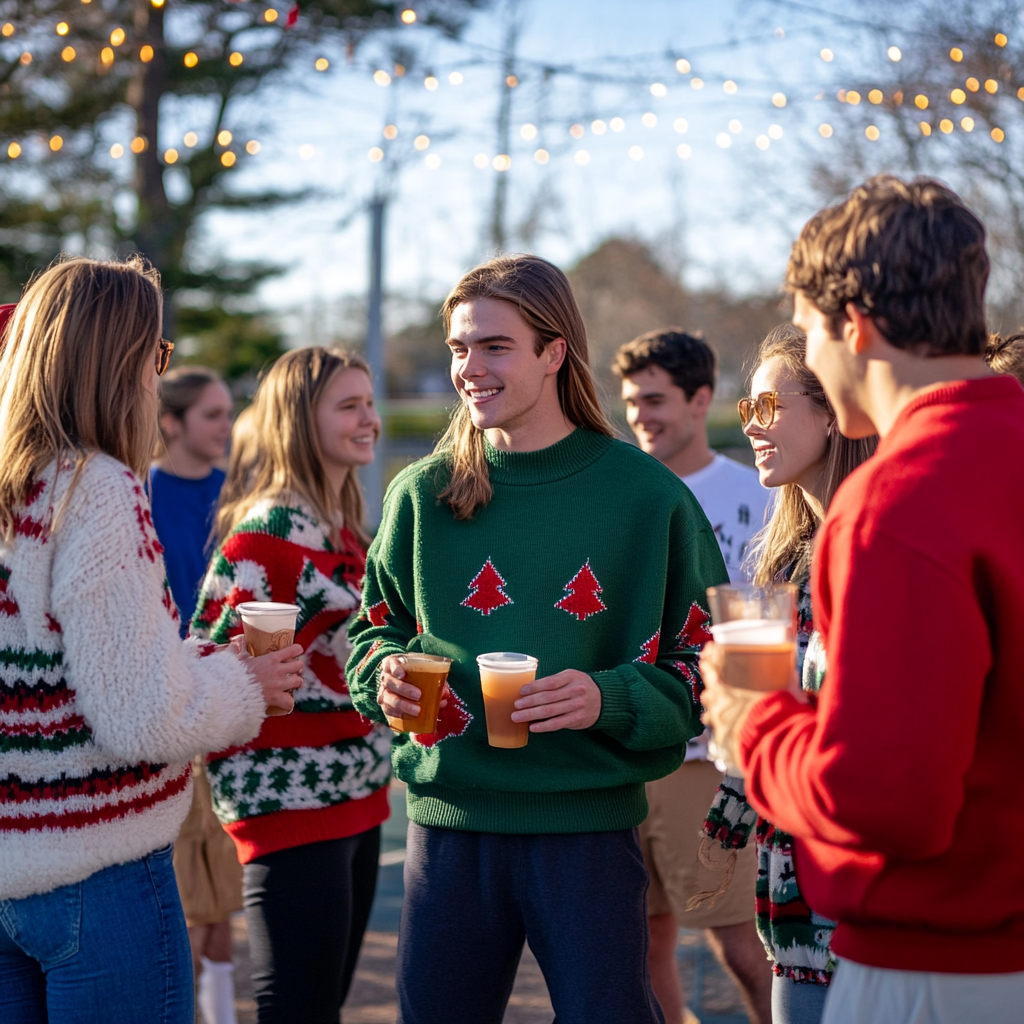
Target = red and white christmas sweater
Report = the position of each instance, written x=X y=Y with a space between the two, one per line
x=102 y=706
x=321 y=772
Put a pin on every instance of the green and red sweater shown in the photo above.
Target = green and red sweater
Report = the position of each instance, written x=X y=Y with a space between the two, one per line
x=590 y=555
x=322 y=771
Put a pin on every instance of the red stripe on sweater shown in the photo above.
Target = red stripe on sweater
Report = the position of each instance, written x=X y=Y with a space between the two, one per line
x=83 y=819
x=267 y=833
x=312 y=729
x=15 y=790
x=51 y=728
x=37 y=702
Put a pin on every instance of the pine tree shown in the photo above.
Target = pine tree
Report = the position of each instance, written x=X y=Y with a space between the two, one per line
x=485 y=590
x=582 y=600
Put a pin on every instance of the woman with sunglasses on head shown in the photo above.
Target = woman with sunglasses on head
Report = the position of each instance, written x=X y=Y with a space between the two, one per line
x=305 y=800
x=799 y=450
x=102 y=705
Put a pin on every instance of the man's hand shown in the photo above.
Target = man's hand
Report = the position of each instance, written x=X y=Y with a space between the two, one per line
x=566 y=700
x=396 y=696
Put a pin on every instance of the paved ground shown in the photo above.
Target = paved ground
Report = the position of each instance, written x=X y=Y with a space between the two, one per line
x=372 y=999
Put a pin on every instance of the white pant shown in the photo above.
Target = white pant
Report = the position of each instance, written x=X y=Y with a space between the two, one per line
x=876 y=995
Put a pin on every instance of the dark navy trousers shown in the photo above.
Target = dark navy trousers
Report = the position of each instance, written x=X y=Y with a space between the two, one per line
x=472 y=899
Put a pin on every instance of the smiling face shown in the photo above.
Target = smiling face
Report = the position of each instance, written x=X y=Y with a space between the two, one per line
x=347 y=423
x=663 y=419
x=496 y=370
x=792 y=450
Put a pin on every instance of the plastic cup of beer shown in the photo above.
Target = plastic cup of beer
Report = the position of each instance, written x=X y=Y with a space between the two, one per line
x=427 y=672
x=755 y=628
x=502 y=676
x=268 y=626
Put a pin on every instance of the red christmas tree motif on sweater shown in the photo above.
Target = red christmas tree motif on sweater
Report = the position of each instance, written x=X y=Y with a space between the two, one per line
x=378 y=613
x=452 y=720
x=695 y=633
x=650 y=649
x=582 y=600
x=485 y=593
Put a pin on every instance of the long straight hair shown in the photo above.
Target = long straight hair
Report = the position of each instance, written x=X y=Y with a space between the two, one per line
x=72 y=371
x=783 y=548
x=282 y=457
x=542 y=295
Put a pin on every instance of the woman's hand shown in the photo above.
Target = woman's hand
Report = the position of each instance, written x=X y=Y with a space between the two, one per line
x=278 y=673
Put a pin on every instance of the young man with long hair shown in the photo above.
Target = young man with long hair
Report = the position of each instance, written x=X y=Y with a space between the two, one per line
x=532 y=530
x=668 y=380
x=894 y=780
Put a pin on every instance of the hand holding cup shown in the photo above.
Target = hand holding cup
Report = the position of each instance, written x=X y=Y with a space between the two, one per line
x=401 y=699
x=278 y=673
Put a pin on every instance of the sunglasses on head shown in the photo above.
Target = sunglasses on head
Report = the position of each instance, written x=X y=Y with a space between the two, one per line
x=163 y=356
x=763 y=406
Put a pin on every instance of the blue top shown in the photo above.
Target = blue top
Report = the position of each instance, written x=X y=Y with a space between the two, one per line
x=183 y=516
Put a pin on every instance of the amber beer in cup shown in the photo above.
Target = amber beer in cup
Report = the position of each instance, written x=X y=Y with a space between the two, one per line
x=502 y=675
x=268 y=626
x=756 y=630
x=429 y=673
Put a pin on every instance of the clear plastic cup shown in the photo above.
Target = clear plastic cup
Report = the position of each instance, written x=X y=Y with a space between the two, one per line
x=429 y=673
x=502 y=676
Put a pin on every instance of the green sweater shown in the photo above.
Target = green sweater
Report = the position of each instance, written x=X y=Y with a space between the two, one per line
x=591 y=555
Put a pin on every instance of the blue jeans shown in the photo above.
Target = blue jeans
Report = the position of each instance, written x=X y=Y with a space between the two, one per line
x=112 y=949
x=472 y=899
x=797 y=1002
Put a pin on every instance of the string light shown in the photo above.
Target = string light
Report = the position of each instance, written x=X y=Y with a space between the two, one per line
x=729 y=87
x=853 y=97
x=1020 y=93
x=1000 y=40
x=825 y=131
x=921 y=101
x=511 y=81
x=636 y=153
x=659 y=90
x=697 y=83
x=56 y=143
x=376 y=154
x=14 y=150
x=146 y=54
x=502 y=162
x=117 y=37
x=945 y=126
x=827 y=55
x=191 y=59
x=382 y=78
x=680 y=124
x=997 y=134
x=958 y=96
x=235 y=59
x=270 y=15
x=26 y=58
x=926 y=128
x=894 y=54
x=390 y=132
x=582 y=157
x=155 y=3
x=617 y=124
x=170 y=156
x=541 y=156
x=649 y=120
x=967 y=123
x=723 y=139
x=872 y=133
x=683 y=151
x=421 y=142
x=481 y=161
x=7 y=30
x=779 y=99
x=67 y=54
x=875 y=96
x=224 y=137
x=228 y=159
x=430 y=83
x=433 y=161
x=683 y=66
x=775 y=131
x=576 y=131
x=529 y=131
x=252 y=147
x=408 y=17
x=63 y=28
x=321 y=64
x=973 y=84
x=190 y=139
x=735 y=126
x=762 y=142
x=117 y=151
x=956 y=54
x=456 y=78
x=106 y=56
x=598 y=127
x=138 y=144
x=991 y=85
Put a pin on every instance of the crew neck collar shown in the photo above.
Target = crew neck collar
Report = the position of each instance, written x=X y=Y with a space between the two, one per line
x=568 y=456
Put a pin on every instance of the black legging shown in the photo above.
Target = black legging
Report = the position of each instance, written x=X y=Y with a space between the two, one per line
x=307 y=909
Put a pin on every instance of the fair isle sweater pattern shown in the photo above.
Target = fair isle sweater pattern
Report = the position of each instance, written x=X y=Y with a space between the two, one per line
x=101 y=704
x=325 y=753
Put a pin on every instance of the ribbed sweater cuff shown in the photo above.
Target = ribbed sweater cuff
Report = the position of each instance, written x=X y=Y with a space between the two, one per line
x=618 y=715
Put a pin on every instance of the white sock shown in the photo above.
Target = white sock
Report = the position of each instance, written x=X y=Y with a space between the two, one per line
x=217 y=992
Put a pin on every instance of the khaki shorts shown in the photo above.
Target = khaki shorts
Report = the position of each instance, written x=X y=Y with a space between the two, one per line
x=670 y=837
x=205 y=863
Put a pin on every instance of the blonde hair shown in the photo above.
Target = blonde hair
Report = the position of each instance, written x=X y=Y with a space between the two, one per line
x=543 y=297
x=282 y=458
x=242 y=459
x=71 y=373
x=783 y=548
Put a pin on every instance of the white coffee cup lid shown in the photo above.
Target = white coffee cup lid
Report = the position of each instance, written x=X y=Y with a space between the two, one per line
x=269 y=615
x=506 y=661
x=752 y=631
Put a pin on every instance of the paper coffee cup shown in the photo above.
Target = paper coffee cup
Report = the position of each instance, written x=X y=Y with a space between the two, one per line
x=268 y=626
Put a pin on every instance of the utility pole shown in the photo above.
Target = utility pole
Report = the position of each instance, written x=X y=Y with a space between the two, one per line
x=373 y=474
x=508 y=83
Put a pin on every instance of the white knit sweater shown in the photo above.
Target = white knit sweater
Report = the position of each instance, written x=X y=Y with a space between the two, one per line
x=101 y=704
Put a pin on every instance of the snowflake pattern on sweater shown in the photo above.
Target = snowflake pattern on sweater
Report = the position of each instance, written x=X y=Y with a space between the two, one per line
x=325 y=754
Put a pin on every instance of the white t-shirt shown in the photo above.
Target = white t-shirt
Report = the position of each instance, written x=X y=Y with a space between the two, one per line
x=734 y=502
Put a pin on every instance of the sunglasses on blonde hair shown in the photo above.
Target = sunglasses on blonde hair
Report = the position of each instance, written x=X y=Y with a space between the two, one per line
x=163 y=356
x=763 y=406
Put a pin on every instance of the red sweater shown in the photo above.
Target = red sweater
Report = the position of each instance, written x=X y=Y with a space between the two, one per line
x=905 y=785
